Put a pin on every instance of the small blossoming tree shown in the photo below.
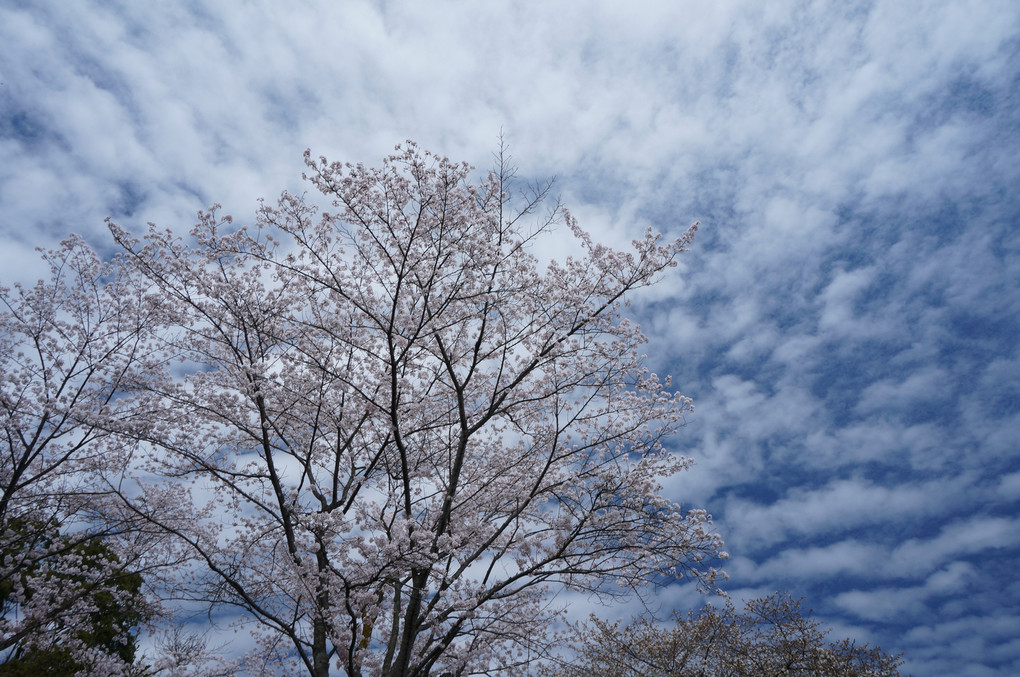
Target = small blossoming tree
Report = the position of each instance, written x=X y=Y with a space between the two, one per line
x=771 y=637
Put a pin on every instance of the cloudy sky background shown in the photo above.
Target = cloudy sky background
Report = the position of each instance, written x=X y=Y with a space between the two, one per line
x=847 y=322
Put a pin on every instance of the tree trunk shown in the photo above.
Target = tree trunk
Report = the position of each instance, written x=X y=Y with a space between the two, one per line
x=401 y=665
x=320 y=659
x=320 y=655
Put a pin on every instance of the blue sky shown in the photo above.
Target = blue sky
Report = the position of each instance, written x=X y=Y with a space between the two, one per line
x=847 y=321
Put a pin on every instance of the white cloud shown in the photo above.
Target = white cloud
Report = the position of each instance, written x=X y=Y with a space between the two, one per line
x=1009 y=487
x=888 y=603
x=929 y=387
x=850 y=558
x=963 y=538
x=836 y=508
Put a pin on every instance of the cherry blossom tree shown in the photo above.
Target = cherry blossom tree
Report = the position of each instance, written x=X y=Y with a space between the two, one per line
x=410 y=435
x=69 y=560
